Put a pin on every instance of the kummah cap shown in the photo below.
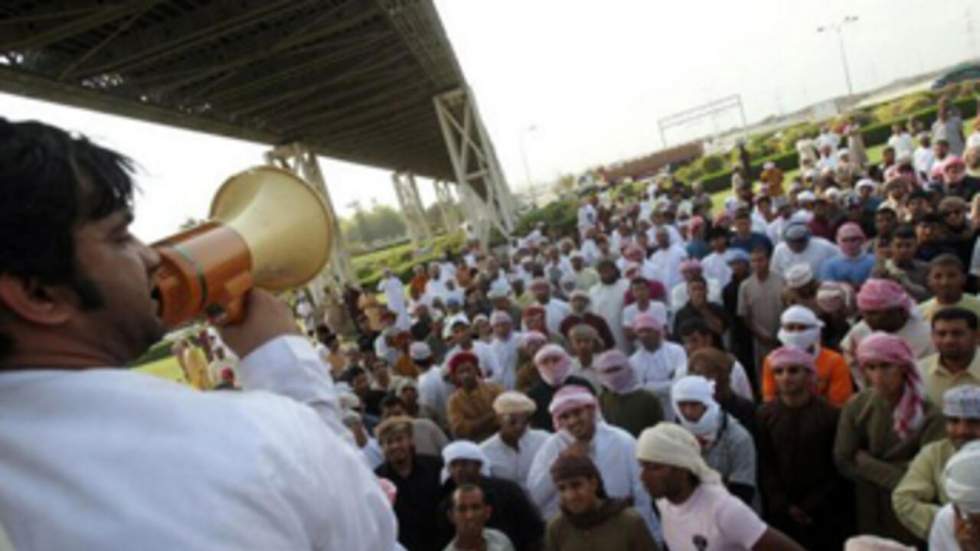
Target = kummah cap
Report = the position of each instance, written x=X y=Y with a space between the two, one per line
x=511 y=402
x=736 y=255
x=419 y=350
x=796 y=231
x=962 y=402
x=798 y=275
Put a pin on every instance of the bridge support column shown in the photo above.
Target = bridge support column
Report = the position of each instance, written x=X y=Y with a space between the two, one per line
x=447 y=205
x=300 y=160
x=412 y=210
x=475 y=163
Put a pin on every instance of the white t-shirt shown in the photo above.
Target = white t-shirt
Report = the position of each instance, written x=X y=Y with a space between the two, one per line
x=817 y=251
x=710 y=520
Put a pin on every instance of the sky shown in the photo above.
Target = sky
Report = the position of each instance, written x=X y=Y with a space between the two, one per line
x=577 y=83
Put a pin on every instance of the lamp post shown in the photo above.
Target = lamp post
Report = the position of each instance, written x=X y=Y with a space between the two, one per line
x=527 y=169
x=838 y=28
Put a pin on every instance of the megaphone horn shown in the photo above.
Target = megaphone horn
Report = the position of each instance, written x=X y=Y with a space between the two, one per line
x=267 y=229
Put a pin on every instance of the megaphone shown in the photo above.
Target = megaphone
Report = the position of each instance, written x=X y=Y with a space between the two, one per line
x=267 y=228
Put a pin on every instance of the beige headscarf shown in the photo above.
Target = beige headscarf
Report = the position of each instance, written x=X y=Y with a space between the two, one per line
x=671 y=444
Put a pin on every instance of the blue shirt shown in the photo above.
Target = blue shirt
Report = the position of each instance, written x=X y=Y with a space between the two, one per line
x=848 y=270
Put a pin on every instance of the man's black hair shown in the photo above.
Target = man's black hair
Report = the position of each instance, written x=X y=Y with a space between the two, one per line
x=52 y=182
x=391 y=400
x=694 y=325
x=954 y=313
x=905 y=231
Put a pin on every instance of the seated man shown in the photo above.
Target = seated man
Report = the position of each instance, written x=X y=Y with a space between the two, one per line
x=726 y=445
x=580 y=428
x=589 y=518
x=803 y=492
x=697 y=511
x=470 y=407
x=954 y=333
x=510 y=510
x=921 y=492
x=469 y=513
x=625 y=403
x=511 y=451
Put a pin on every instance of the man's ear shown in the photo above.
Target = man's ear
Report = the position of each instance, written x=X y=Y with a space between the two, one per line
x=34 y=302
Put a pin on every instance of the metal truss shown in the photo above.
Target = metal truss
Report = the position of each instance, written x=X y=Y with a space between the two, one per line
x=412 y=210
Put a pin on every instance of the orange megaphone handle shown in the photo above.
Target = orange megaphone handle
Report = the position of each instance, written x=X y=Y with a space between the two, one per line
x=231 y=308
x=203 y=271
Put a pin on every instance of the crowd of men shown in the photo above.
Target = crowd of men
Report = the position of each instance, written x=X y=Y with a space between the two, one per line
x=794 y=369
x=791 y=369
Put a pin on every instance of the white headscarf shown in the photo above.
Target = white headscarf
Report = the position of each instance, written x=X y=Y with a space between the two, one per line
x=695 y=388
x=463 y=449
x=808 y=340
x=962 y=478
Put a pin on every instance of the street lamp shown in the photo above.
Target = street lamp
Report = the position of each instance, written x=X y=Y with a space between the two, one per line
x=838 y=28
x=527 y=169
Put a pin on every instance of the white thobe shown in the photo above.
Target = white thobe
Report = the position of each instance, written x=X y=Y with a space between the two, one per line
x=146 y=456
x=484 y=352
x=655 y=307
x=818 y=250
x=916 y=333
x=655 y=370
x=614 y=452
x=434 y=392
x=555 y=312
x=514 y=465
x=679 y=298
x=590 y=251
x=673 y=235
x=607 y=302
x=668 y=264
x=739 y=380
x=587 y=216
x=394 y=292
x=713 y=266
x=505 y=352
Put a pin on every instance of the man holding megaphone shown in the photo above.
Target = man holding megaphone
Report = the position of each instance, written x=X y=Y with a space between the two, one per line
x=94 y=456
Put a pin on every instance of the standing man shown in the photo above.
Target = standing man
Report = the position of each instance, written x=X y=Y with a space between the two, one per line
x=580 y=302
x=921 y=492
x=470 y=408
x=697 y=511
x=555 y=310
x=612 y=449
x=656 y=359
x=416 y=478
x=802 y=489
x=75 y=297
x=505 y=349
x=954 y=333
x=394 y=292
x=511 y=451
x=469 y=513
x=759 y=305
x=608 y=298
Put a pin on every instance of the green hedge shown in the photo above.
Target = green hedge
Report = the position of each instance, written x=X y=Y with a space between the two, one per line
x=873 y=135
x=562 y=215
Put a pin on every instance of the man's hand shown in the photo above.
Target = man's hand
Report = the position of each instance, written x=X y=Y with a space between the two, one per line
x=266 y=317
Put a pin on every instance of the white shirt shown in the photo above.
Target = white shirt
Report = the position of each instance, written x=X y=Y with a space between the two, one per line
x=394 y=292
x=903 y=144
x=633 y=310
x=713 y=266
x=125 y=460
x=923 y=158
x=586 y=216
x=655 y=370
x=614 y=452
x=739 y=380
x=514 y=465
x=555 y=312
x=607 y=302
x=484 y=352
x=434 y=392
x=710 y=520
x=816 y=252
x=505 y=352
x=590 y=251
x=678 y=295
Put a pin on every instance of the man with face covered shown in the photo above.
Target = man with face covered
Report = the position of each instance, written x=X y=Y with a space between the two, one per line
x=885 y=306
x=625 y=403
x=854 y=265
x=511 y=512
x=581 y=429
x=725 y=444
x=511 y=451
x=921 y=492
